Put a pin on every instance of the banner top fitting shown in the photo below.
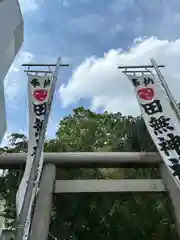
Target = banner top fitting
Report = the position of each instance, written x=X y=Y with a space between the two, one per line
x=142 y=68
x=38 y=71
x=133 y=71
x=50 y=67
x=139 y=66
x=43 y=65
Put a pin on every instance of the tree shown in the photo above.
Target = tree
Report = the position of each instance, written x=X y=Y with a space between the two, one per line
x=94 y=216
x=10 y=181
x=98 y=216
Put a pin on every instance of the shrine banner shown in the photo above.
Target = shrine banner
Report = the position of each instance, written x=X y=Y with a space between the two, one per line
x=39 y=107
x=160 y=119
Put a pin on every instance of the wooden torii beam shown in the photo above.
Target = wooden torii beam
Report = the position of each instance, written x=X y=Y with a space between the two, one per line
x=85 y=159
x=50 y=185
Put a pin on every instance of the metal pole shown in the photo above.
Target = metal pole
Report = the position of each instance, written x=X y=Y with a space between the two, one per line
x=29 y=190
x=166 y=88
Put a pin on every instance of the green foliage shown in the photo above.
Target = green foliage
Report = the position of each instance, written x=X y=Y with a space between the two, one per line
x=11 y=179
x=99 y=216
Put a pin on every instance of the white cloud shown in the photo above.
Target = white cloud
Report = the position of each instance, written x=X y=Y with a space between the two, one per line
x=65 y=3
x=22 y=57
x=84 y=1
x=29 y=5
x=136 y=17
x=5 y=141
x=88 y=24
x=15 y=81
x=99 y=80
x=119 y=6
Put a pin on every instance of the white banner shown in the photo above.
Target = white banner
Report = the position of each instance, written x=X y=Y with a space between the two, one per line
x=39 y=98
x=160 y=119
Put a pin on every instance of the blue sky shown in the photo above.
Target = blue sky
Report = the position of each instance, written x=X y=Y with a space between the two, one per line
x=77 y=30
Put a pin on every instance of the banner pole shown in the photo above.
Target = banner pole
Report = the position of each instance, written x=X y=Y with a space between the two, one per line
x=166 y=88
x=30 y=187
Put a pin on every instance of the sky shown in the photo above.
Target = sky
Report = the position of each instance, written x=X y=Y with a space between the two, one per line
x=94 y=37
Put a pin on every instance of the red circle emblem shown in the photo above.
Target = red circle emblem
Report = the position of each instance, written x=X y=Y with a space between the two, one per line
x=146 y=93
x=40 y=95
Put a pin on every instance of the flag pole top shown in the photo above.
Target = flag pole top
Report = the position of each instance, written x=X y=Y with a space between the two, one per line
x=139 y=66
x=144 y=68
x=138 y=71
x=43 y=65
x=49 y=66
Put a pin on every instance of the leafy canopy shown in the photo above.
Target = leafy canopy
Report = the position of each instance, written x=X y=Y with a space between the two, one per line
x=98 y=216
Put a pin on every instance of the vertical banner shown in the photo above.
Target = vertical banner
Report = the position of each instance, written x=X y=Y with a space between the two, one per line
x=160 y=119
x=39 y=106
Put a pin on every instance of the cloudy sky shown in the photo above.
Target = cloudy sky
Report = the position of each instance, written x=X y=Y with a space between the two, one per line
x=94 y=37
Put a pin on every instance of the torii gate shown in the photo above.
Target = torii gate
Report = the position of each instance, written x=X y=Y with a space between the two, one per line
x=49 y=185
